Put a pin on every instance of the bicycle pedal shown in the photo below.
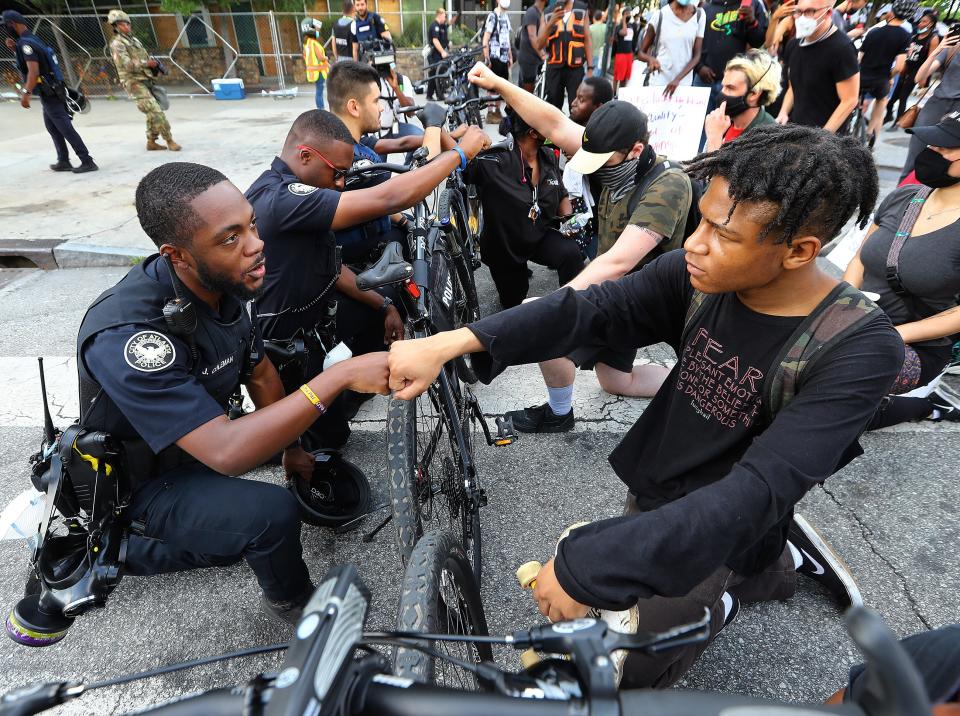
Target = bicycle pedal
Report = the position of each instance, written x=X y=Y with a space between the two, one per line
x=506 y=435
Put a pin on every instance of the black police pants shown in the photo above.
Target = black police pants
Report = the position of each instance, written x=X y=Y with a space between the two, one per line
x=433 y=57
x=559 y=80
x=195 y=517
x=510 y=276
x=57 y=120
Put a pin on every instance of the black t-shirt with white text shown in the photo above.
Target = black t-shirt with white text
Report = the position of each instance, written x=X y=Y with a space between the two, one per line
x=717 y=486
x=814 y=71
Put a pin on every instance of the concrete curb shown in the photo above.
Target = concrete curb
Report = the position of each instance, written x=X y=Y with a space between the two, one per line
x=70 y=255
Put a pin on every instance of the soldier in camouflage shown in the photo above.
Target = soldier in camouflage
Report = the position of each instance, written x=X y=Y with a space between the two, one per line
x=133 y=64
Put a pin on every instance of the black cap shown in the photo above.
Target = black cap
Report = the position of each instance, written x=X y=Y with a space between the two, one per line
x=615 y=126
x=944 y=134
x=11 y=16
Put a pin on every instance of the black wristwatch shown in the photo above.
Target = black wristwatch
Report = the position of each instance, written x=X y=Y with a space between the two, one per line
x=387 y=302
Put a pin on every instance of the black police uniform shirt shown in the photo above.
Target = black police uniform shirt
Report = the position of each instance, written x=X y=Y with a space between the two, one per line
x=149 y=385
x=505 y=186
x=364 y=151
x=294 y=221
x=31 y=48
x=437 y=32
x=717 y=485
x=370 y=27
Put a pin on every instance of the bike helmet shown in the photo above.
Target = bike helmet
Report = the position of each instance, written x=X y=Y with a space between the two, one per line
x=337 y=492
x=905 y=9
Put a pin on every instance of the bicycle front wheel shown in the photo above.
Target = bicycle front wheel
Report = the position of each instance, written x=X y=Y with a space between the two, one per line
x=440 y=595
x=425 y=474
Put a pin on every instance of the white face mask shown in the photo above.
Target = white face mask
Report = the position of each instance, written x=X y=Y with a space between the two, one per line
x=805 y=26
x=505 y=4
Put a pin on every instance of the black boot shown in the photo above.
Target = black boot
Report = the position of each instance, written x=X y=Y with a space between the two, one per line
x=62 y=165
x=87 y=165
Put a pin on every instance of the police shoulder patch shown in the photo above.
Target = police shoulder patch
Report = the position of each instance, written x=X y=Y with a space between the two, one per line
x=299 y=189
x=27 y=50
x=149 y=351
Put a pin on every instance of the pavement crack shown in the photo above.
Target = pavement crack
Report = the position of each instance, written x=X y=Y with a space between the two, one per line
x=867 y=535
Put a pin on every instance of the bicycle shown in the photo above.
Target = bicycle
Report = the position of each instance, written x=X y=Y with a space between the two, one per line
x=430 y=464
x=332 y=669
x=856 y=124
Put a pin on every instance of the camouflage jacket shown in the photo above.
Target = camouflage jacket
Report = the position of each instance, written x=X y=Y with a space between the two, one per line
x=130 y=57
x=662 y=209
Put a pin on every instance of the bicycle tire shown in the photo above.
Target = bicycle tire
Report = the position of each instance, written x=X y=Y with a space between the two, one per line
x=438 y=583
x=425 y=474
x=466 y=300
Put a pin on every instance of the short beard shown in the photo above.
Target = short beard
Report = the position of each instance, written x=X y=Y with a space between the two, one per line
x=219 y=283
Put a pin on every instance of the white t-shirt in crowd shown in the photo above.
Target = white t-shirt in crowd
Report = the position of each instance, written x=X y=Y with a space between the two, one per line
x=675 y=44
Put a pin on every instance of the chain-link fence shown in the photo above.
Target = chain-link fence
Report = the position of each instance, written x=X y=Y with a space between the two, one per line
x=262 y=48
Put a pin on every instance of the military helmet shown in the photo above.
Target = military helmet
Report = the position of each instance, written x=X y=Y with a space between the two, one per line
x=309 y=24
x=115 y=16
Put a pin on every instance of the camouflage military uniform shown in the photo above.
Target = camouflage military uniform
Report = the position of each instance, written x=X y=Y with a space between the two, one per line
x=130 y=58
x=662 y=209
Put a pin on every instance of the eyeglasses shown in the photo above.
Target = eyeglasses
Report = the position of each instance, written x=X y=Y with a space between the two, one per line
x=338 y=174
x=810 y=12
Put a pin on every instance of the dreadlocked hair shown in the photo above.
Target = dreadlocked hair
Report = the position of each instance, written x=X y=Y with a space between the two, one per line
x=816 y=179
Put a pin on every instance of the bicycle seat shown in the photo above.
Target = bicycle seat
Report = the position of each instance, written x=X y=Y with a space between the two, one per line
x=390 y=268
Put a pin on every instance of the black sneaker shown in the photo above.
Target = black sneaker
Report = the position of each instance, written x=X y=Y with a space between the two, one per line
x=540 y=419
x=822 y=564
x=87 y=166
x=287 y=611
x=62 y=166
x=945 y=404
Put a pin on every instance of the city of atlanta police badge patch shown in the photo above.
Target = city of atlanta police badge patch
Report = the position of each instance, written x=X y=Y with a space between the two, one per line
x=149 y=352
x=300 y=189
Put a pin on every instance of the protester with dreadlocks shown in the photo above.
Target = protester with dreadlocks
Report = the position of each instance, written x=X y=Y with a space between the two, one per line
x=780 y=368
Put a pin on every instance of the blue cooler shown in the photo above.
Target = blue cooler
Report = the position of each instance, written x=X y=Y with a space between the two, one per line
x=228 y=89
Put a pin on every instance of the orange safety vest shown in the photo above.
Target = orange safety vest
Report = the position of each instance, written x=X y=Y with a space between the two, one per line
x=314 y=59
x=567 y=41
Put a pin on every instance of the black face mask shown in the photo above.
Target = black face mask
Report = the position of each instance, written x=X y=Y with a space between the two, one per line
x=735 y=105
x=931 y=169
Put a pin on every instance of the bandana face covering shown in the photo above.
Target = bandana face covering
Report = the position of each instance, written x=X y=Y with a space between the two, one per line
x=621 y=178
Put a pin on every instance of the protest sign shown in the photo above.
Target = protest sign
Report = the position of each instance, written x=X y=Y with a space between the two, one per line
x=675 y=123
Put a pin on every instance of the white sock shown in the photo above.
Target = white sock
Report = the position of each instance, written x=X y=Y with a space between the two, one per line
x=935 y=415
x=727 y=601
x=797 y=557
x=561 y=399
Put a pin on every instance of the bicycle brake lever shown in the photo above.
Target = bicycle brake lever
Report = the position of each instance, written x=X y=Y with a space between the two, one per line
x=654 y=642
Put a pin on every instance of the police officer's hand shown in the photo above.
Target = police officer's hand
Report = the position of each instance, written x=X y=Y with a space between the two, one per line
x=432 y=115
x=482 y=76
x=11 y=44
x=367 y=373
x=297 y=462
x=25 y=100
x=474 y=141
x=392 y=326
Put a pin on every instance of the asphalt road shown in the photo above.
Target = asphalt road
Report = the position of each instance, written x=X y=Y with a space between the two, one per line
x=892 y=514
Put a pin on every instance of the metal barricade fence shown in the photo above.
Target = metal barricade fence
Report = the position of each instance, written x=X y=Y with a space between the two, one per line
x=262 y=48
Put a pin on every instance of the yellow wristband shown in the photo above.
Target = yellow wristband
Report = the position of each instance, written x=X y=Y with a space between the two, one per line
x=312 y=397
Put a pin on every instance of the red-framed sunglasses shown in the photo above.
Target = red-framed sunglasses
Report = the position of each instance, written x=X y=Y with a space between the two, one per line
x=338 y=174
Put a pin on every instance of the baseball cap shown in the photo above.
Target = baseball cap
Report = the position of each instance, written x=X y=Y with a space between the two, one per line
x=12 y=16
x=615 y=126
x=946 y=133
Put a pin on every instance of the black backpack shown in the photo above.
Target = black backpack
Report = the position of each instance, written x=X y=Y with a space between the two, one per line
x=697 y=188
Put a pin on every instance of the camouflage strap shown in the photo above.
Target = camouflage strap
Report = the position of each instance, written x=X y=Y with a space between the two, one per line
x=838 y=315
x=697 y=301
x=910 y=217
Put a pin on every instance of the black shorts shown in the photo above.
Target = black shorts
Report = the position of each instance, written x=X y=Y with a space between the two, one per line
x=529 y=68
x=876 y=87
x=617 y=358
x=501 y=69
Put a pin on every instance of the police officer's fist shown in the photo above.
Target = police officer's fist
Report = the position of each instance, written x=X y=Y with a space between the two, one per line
x=474 y=141
x=298 y=462
x=482 y=76
x=392 y=326
x=367 y=373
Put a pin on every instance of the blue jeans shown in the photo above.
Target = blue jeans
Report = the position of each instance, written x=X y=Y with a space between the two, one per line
x=712 y=105
x=320 y=83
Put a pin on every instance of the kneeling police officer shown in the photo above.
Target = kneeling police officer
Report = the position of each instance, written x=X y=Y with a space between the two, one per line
x=159 y=356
